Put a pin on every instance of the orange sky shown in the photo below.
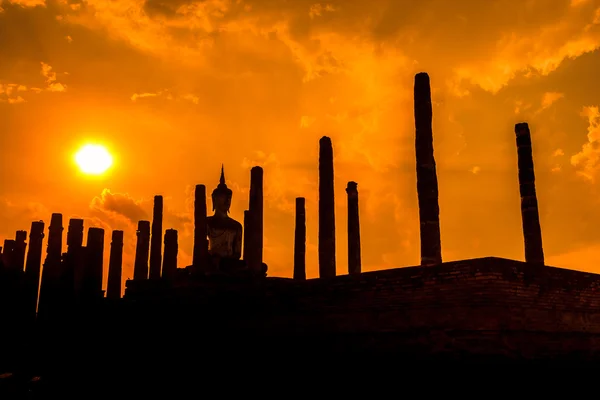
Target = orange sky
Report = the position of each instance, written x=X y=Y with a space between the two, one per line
x=175 y=88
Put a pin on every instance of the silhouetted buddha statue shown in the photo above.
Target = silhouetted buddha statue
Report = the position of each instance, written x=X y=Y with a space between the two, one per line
x=225 y=235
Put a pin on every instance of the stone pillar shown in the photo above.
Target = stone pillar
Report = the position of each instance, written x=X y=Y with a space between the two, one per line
x=8 y=254
x=170 y=256
x=327 y=266
x=300 y=240
x=74 y=235
x=255 y=231
x=32 y=270
x=50 y=290
x=532 y=230
x=427 y=186
x=94 y=268
x=156 y=239
x=247 y=233
x=354 y=262
x=142 y=248
x=72 y=258
x=19 y=250
x=115 y=266
x=200 y=253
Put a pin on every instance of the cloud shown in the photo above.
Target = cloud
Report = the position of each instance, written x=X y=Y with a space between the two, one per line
x=50 y=75
x=12 y=93
x=121 y=204
x=550 y=98
x=167 y=94
x=587 y=161
x=27 y=3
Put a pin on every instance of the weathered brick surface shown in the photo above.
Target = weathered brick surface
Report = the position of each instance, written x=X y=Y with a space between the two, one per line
x=481 y=306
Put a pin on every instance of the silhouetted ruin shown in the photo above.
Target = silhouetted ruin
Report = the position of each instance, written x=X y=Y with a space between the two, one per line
x=532 y=231
x=8 y=254
x=246 y=242
x=300 y=240
x=354 y=262
x=427 y=186
x=170 y=257
x=93 y=271
x=327 y=266
x=115 y=266
x=19 y=250
x=200 y=254
x=74 y=260
x=142 y=250
x=51 y=290
x=32 y=270
x=255 y=229
x=156 y=239
x=224 y=306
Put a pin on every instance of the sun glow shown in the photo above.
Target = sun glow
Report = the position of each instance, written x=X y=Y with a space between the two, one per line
x=93 y=159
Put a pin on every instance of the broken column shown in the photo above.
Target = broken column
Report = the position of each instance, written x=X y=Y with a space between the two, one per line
x=354 y=262
x=200 y=253
x=32 y=270
x=427 y=186
x=300 y=240
x=327 y=266
x=142 y=249
x=19 y=250
x=156 y=239
x=532 y=230
x=115 y=266
x=254 y=230
x=170 y=256
x=94 y=268
x=50 y=289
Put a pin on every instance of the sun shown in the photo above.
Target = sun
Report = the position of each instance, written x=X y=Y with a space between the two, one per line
x=93 y=159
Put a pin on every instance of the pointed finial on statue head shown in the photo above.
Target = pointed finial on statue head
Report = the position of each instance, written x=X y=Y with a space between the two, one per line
x=222 y=189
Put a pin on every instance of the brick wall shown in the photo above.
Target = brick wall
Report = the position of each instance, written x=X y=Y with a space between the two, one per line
x=480 y=306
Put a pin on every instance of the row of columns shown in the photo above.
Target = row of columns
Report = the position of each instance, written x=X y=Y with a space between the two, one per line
x=66 y=278
x=427 y=193
x=150 y=261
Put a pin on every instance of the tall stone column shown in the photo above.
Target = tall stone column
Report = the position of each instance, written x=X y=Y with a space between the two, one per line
x=115 y=266
x=327 y=266
x=142 y=249
x=94 y=268
x=8 y=254
x=354 y=261
x=32 y=270
x=255 y=231
x=19 y=251
x=532 y=230
x=200 y=253
x=74 y=235
x=156 y=239
x=170 y=256
x=300 y=240
x=247 y=232
x=72 y=258
x=427 y=185
x=50 y=290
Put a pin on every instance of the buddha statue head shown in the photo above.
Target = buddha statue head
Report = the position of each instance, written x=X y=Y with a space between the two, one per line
x=221 y=196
